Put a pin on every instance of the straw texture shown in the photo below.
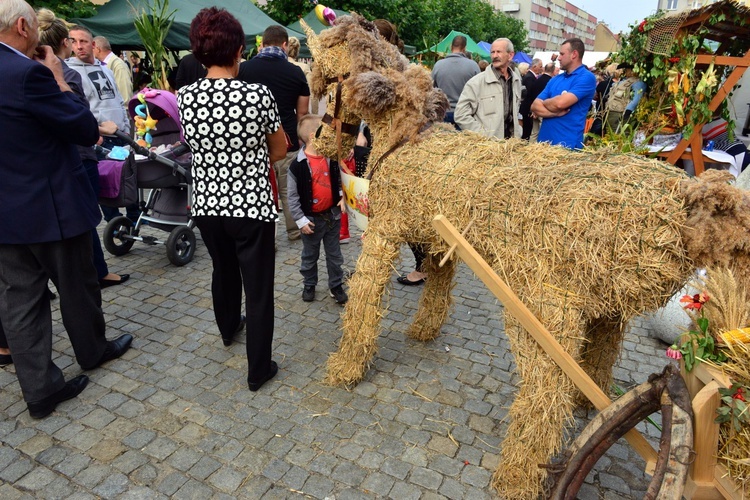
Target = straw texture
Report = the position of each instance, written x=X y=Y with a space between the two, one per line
x=586 y=239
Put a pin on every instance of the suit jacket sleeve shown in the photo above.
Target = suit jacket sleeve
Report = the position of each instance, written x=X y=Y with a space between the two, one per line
x=60 y=113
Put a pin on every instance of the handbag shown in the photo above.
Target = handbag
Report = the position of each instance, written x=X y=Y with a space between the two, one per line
x=118 y=182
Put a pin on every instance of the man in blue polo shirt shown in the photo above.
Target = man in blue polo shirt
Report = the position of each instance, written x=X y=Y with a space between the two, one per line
x=566 y=99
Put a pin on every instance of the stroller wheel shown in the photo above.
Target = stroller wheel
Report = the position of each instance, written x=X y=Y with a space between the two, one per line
x=116 y=236
x=181 y=245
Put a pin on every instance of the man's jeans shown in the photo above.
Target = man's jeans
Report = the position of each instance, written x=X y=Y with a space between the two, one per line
x=327 y=229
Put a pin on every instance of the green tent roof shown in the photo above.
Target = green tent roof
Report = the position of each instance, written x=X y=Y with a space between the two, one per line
x=444 y=46
x=115 y=21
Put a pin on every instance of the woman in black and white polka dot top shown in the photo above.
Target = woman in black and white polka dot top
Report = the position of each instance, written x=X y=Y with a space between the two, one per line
x=234 y=132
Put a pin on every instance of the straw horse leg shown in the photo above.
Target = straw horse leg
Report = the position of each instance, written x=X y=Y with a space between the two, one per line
x=544 y=403
x=361 y=318
x=435 y=301
x=601 y=349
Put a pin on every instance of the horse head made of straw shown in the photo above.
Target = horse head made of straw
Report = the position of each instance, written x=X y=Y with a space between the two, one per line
x=588 y=240
x=365 y=77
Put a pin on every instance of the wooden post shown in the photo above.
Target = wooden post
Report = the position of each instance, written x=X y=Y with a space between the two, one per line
x=535 y=328
x=707 y=480
x=705 y=439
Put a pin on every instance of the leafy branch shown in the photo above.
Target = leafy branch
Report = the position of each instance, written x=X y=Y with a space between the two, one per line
x=153 y=24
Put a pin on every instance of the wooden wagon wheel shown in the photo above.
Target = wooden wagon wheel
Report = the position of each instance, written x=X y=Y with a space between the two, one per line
x=666 y=391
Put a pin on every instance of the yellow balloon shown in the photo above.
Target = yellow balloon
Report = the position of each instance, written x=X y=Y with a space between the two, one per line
x=319 y=13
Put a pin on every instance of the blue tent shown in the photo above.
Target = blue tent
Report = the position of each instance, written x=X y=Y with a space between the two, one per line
x=486 y=46
x=521 y=57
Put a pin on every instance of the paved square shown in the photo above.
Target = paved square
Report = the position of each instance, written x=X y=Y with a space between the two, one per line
x=174 y=417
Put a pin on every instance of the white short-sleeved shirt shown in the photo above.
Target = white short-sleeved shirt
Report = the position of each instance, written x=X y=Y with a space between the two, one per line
x=225 y=122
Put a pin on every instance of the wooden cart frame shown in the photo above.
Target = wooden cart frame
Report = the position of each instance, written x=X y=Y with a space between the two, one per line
x=707 y=480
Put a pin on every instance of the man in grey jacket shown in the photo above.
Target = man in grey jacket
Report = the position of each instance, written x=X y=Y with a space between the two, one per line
x=99 y=84
x=104 y=99
x=451 y=73
x=490 y=101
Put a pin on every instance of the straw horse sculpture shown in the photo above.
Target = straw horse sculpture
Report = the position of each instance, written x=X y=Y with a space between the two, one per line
x=586 y=240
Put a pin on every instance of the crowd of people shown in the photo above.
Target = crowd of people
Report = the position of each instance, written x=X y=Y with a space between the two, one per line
x=249 y=127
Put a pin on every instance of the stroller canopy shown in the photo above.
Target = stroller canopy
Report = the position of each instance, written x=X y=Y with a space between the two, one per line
x=162 y=106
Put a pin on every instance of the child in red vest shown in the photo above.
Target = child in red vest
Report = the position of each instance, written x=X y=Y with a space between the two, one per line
x=315 y=202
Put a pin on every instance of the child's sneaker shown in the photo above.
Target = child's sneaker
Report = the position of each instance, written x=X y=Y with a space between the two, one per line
x=344 y=241
x=308 y=294
x=339 y=295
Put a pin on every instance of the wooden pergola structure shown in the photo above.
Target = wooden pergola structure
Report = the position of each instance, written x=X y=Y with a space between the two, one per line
x=727 y=34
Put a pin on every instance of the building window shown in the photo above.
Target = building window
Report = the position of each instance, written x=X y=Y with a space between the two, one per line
x=671 y=4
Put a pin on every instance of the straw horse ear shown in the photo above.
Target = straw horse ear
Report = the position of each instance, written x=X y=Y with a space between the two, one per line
x=371 y=91
x=312 y=38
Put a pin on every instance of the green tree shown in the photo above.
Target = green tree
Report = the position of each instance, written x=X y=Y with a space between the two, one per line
x=67 y=9
x=421 y=23
x=480 y=21
x=286 y=11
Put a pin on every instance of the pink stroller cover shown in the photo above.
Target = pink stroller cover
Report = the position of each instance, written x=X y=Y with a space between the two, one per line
x=110 y=172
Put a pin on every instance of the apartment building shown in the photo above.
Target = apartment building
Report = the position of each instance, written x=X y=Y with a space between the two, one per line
x=550 y=22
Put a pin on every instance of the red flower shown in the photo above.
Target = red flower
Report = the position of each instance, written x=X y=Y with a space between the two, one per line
x=739 y=394
x=642 y=26
x=674 y=60
x=674 y=352
x=694 y=302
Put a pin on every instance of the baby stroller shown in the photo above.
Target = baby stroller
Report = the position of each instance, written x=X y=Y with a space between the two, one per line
x=167 y=175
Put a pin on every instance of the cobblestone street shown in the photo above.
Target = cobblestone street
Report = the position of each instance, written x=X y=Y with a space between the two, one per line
x=173 y=418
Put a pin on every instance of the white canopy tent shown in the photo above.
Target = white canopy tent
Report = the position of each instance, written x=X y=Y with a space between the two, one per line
x=590 y=58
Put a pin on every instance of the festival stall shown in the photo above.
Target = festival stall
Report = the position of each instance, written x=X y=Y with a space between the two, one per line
x=691 y=62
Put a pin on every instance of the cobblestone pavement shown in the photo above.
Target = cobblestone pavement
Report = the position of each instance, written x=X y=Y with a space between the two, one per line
x=174 y=418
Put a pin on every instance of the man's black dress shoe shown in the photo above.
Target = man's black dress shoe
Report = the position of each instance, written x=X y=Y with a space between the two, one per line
x=240 y=328
x=254 y=386
x=115 y=349
x=6 y=359
x=103 y=283
x=72 y=388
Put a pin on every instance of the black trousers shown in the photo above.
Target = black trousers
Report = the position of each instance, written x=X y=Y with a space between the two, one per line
x=26 y=315
x=527 y=127
x=420 y=253
x=242 y=253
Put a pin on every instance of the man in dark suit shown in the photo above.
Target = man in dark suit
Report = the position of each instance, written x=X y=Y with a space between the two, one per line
x=529 y=82
x=47 y=211
x=539 y=85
